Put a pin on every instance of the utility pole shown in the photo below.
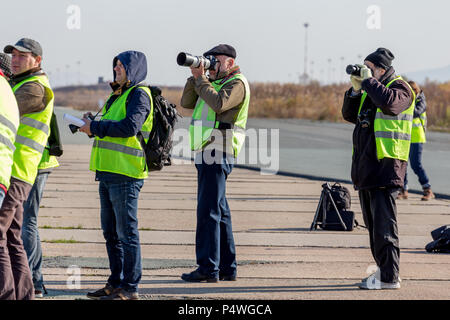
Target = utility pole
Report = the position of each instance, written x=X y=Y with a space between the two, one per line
x=67 y=75
x=79 y=72
x=304 y=77
x=329 y=70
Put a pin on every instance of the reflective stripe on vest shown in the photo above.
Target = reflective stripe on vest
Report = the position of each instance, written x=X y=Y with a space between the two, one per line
x=13 y=130
x=204 y=119
x=32 y=135
x=4 y=140
x=418 y=130
x=9 y=121
x=393 y=133
x=123 y=156
x=118 y=147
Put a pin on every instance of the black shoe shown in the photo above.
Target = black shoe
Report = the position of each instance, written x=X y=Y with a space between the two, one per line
x=121 y=294
x=227 y=278
x=104 y=292
x=196 y=276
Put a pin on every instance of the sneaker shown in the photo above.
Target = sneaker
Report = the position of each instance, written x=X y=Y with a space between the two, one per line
x=427 y=194
x=196 y=276
x=39 y=293
x=402 y=195
x=106 y=291
x=373 y=283
x=365 y=279
x=121 y=294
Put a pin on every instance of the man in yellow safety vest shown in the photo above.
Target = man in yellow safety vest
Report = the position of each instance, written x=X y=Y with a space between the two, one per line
x=35 y=101
x=217 y=133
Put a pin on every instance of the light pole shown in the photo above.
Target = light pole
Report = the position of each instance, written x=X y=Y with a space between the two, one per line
x=304 y=77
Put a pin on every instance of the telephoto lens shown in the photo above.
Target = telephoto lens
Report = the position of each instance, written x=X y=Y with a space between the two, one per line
x=187 y=60
x=353 y=70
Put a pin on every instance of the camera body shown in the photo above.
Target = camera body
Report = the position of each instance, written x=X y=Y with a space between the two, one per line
x=353 y=69
x=74 y=129
x=188 y=60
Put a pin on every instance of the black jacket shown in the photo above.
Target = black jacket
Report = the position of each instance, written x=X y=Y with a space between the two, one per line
x=367 y=171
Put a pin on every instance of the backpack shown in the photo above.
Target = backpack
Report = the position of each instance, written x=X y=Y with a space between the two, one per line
x=341 y=196
x=333 y=209
x=441 y=240
x=157 y=150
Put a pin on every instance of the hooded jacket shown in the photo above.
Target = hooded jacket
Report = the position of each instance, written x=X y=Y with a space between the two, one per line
x=138 y=107
x=367 y=171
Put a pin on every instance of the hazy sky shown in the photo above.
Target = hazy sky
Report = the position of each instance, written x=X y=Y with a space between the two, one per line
x=269 y=36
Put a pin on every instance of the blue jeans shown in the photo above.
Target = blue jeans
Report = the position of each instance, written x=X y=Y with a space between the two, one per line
x=415 y=160
x=214 y=243
x=30 y=232
x=2 y=196
x=119 y=207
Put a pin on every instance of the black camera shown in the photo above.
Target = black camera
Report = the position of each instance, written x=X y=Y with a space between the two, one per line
x=188 y=60
x=364 y=118
x=353 y=69
x=74 y=129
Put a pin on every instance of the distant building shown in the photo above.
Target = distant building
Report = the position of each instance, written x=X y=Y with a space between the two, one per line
x=101 y=80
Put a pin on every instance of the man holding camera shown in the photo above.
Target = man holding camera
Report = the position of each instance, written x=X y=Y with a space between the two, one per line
x=217 y=132
x=118 y=161
x=381 y=106
x=35 y=101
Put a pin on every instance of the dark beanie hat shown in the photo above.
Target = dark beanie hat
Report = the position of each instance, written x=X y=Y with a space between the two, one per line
x=381 y=58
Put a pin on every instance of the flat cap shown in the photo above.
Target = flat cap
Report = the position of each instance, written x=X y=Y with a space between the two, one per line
x=222 y=49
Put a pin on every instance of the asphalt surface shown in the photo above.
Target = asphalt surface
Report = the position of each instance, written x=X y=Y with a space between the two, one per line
x=278 y=257
x=311 y=149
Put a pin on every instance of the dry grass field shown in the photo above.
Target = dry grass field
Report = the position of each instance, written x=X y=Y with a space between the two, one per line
x=274 y=100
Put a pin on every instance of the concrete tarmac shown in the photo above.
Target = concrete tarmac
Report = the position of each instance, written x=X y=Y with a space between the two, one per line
x=308 y=148
x=278 y=257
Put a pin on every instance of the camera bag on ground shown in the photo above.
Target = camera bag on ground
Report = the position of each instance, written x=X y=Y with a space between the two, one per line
x=441 y=240
x=157 y=150
x=333 y=209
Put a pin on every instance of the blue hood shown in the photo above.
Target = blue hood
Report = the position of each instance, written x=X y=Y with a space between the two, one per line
x=135 y=64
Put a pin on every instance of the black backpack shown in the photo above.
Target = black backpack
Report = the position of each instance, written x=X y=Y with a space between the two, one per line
x=441 y=240
x=333 y=212
x=157 y=150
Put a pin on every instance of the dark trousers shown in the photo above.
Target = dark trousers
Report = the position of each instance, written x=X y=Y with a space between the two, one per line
x=15 y=275
x=415 y=160
x=380 y=216
x=214 y=245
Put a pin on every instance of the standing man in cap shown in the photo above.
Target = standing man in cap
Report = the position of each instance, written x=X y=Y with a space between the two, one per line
x=381 y=106
x=118 y=161
x=217 y=132
x=35 y=101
